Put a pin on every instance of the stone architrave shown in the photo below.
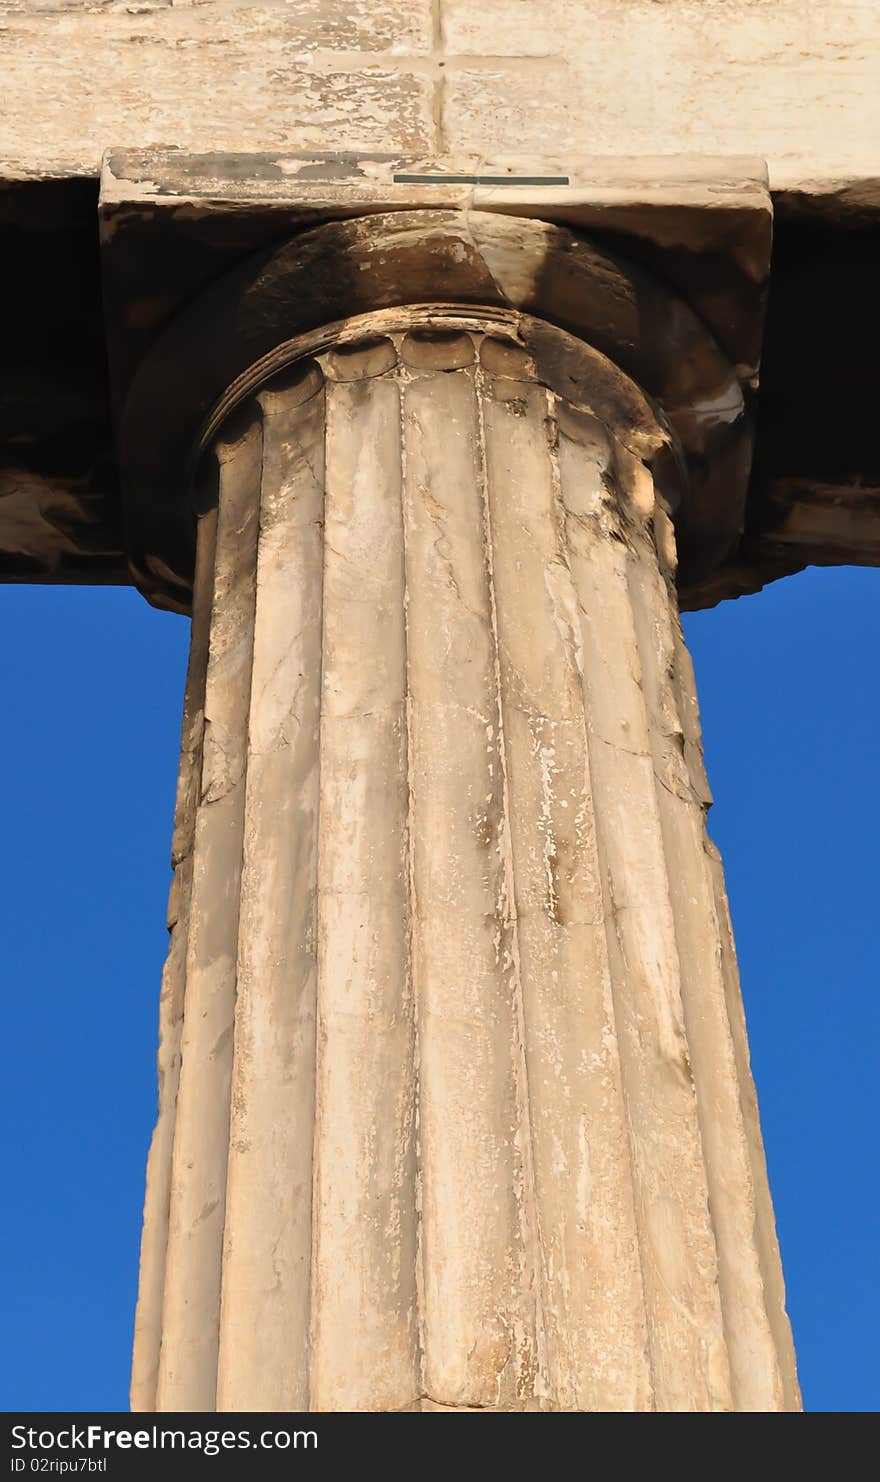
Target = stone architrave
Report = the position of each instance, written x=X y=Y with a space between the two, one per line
x=456 y=1110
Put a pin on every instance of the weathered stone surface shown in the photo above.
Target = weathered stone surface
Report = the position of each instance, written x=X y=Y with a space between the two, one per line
x=210 y=76
x=59 y=530
x=464 y=1117
x=793 y=81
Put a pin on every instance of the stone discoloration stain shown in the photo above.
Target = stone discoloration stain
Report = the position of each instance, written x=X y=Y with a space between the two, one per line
x=216 y=66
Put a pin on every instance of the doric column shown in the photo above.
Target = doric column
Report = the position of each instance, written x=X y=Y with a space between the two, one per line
x=456 y=1109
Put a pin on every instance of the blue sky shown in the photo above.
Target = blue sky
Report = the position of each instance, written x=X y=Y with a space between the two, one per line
x=93 y=680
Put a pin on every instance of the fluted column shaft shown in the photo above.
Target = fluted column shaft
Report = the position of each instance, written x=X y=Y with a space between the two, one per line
x=456 y=1108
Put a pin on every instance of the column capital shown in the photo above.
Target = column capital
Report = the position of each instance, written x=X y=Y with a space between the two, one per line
x=678 y=310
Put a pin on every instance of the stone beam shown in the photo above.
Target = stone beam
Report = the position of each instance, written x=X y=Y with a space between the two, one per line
x=793 y=82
